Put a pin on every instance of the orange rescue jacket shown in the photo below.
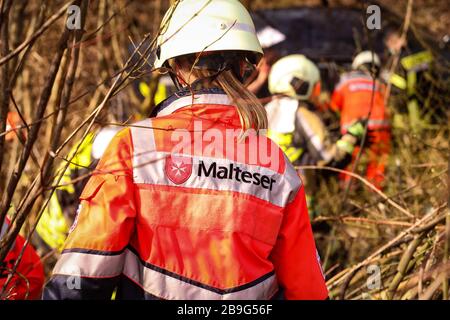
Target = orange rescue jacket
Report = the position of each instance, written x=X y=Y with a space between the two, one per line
x=352 y=97
x=157 y=224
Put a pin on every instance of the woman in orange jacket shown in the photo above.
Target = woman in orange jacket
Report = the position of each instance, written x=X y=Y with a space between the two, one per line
x=195 y=202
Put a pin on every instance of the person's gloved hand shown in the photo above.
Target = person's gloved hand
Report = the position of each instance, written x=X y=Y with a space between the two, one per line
x=353 y=137
x=346 y=144
x=357 y=128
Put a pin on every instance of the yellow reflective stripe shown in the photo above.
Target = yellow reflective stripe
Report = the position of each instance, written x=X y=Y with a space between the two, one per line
x=371 y=124
x=114 y=294
x=416 y=59
x=346 y=146
x=414 y=114
x=66 y=179
x=411 y=80
x=83 y=156
x=293 y=153
x=284 y=141
x=52 y=226
x=161 y=93
x=398 y=81
x=144 y=89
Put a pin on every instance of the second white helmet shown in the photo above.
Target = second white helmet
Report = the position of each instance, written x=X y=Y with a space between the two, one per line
x=366 y=57
x=295 y=76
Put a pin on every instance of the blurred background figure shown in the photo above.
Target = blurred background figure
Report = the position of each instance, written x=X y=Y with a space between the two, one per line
x=257 y=82
x=294 y=122
x=59 y=215
x=408 y=70
x=361 y=95
x=13 y=121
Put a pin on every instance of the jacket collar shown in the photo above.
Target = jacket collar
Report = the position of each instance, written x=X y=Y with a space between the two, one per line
x=184 y=98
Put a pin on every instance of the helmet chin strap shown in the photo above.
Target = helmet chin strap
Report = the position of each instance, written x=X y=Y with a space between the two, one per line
x=214 y=63
x=196 y=84
x=173 y=75
x=175 y=80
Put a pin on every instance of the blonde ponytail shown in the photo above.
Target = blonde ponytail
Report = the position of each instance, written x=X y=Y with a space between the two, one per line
x=251 y=112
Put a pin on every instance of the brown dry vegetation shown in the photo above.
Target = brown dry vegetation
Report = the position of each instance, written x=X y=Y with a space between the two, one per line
x=60 y=78
x=433 y=15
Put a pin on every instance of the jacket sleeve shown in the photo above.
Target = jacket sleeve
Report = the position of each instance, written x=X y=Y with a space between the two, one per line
x=337 y=99
x=311 y=134
x=295 y=258
x=94 y=252
x=28 y=280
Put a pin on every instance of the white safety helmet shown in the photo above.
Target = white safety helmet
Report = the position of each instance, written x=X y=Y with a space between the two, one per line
x=366 y=57
x=194 y=26
x=295 y=76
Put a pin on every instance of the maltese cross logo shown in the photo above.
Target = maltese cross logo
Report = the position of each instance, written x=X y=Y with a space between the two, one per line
x=178 y=169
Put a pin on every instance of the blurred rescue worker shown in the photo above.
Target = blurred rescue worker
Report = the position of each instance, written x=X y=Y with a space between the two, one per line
x=258 y=82
x=28 y=280
x=294 y=123
x=411 y=76
x=296 y=126
x=360 y=95
x=159 y=222
x=13 y=121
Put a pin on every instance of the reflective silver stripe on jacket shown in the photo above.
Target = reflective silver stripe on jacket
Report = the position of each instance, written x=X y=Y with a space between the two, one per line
x=89 y=265
x=159 y=283
x=149 y=168
x=168 y=287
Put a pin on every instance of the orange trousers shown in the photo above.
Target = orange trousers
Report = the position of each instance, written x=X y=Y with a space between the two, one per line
x=378 y=155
